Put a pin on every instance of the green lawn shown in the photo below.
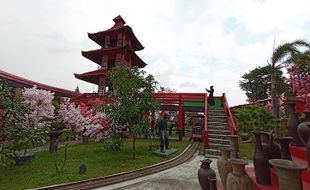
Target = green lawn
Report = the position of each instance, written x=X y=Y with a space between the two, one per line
x=246 y=151
x=41 y=171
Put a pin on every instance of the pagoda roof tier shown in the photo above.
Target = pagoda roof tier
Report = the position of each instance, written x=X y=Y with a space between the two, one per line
x=96 y=55
x=99 y=37
x=92 y=76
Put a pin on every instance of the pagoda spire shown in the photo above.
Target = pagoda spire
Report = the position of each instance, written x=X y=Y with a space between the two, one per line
x=119 y=23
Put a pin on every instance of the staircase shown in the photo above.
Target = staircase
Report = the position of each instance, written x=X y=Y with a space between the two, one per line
x=217 y=131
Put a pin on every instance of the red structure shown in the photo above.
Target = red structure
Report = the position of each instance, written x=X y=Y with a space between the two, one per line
x=118 y=46
x=193 y=102
x=20 y=82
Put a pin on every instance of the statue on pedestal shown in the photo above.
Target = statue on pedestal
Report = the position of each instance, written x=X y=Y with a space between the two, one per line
x=162 y=132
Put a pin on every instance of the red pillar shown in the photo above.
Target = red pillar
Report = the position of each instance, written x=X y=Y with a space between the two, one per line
x=181 y=119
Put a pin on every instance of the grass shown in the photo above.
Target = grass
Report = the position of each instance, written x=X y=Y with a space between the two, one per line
x=41 y=171
x=246 y=151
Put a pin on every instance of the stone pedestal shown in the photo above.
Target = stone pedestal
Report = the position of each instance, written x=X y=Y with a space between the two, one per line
x=166 y=153
x=234 y=145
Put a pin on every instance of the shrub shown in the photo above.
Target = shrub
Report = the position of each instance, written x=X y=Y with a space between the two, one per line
x=255 y=117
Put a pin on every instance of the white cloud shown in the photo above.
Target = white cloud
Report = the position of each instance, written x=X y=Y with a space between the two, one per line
x=190 y=45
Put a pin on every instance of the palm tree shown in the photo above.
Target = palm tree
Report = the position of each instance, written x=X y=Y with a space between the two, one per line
x=284 y=55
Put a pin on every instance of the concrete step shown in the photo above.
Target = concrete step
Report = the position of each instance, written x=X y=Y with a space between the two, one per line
x=217 y=123
x=210 y=151
x=215 y=108
x=219 y=141
x=217 y=120
x=217 y=146
x=219 y=132
x=213 y=127
x=218 y=136
x=219 y=112
x=217 y=116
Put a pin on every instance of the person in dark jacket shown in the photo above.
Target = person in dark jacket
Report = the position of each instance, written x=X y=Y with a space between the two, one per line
x=162 y=128
x=210 y=97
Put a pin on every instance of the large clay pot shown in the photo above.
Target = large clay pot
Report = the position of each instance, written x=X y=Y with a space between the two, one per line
x=237 y=179
x=234 y=145
x=54 y=140
x=204 y=173
x=292 y=124
x=261 y=165
x=224 y=167
x=285 y=151
x=275 y=151
x=303 y=131
x=288 y=173
x=265 y=142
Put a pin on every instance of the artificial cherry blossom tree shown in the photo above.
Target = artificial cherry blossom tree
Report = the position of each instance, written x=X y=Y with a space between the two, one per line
x=300 y=84
x=42 y=109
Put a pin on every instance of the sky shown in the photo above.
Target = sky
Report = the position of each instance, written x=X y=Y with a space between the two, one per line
x=189 y=44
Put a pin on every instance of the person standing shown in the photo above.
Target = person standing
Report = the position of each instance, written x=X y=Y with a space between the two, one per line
x=210 y=97
x=162 y=127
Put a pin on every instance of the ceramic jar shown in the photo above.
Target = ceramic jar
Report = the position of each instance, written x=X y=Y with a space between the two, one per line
x=285 y=151
x=224 y=167
x=204 y=173
x=288 y=173
x=292 y=124
x=213 y=185
x=237 y=179
x=261 y=165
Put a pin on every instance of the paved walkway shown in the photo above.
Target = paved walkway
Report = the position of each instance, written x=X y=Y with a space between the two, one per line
x=180 y=177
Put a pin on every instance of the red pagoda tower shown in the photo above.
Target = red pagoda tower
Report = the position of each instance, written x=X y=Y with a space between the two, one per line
x=118 y=46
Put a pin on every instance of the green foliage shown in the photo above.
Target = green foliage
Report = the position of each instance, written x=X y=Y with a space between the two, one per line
x=255 y=117
x=114 y=144
x=133 y=99
x=13 y=137
x=257 y=82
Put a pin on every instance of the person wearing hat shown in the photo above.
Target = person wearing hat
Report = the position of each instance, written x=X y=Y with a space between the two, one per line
x=162 y=127
x=210 y=97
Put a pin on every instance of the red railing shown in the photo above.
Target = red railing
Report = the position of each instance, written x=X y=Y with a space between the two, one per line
x=230 y=120
x=206 y=136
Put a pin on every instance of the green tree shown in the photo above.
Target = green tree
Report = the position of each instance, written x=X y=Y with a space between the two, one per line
x=13 y=137
x=132 y=101
x=255 y=117
x=256 y=83
x=284 y=55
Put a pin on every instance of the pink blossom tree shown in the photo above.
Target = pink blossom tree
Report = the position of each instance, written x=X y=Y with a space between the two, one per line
x=84 y=120
x=40 y=104
x=299 y=79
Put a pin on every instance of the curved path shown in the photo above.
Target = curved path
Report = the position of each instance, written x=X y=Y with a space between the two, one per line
x=124 y=176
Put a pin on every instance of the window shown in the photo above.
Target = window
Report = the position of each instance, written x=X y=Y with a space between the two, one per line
x=111 y=63
x=113 y=43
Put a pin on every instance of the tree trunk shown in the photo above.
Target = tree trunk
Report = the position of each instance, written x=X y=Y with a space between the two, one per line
x=274 y=94
x=151 y=144
x=133 y=146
